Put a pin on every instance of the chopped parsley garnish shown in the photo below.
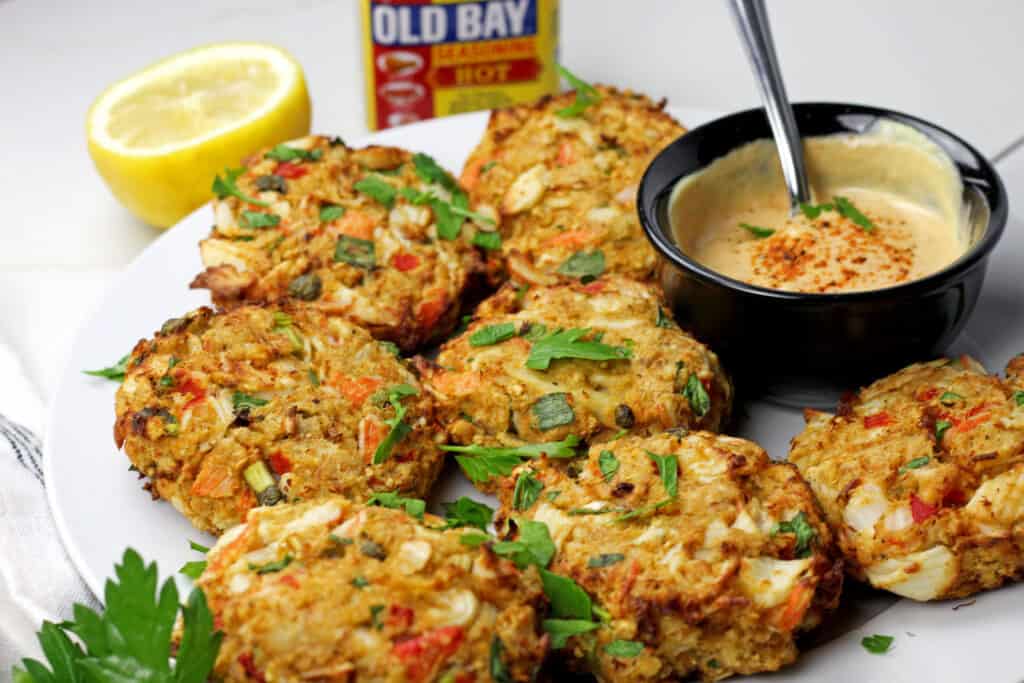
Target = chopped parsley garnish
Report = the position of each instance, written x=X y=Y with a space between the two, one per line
x=360 y=582
x=568 y=600
x=662 y=320
x=949 y=398
x=131 y=639
x=488 y=166
x=805 y=533
x=605 y=560
x=586 y=265
x=198 y=547
x=877 y=644
x=271 y=567
x=241 y=401
x=812 y=211
x=756 y=231
x=430 y=171
x=561 y=630
x=399 y=429
x=552 y=410
x=941 y=426
x=527 y=490
x=915 y=463
x=492 y=334
x=372 y=549
x=490 y=241
x=227 y=187
x=193 y=569
x=586 y=94
x=375 y=611
x=696 y=394
x=115 y=372
x=467 y=512
x=569 y=344
x=330 y=212
x=378 y=190
x=355 y=252
x=286 y=153
x=391 y=347
x=474 y=540
x=608 y=464
x=644 y=510
x=532 y=546
x=668 y=470
x=1018 y=397
x=482 y=462
x=258 y=219
x=414 y=507
x=846 y=209
x=626 y=649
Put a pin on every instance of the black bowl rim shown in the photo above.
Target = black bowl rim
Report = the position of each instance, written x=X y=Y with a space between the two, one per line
x=647 y=204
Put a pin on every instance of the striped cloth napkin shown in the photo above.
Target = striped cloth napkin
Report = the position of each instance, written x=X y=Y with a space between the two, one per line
x=37 y=580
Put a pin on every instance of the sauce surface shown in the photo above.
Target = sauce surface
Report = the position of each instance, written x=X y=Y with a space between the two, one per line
x=905 y=222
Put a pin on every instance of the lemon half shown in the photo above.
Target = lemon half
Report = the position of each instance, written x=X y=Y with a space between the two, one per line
x=159 y=137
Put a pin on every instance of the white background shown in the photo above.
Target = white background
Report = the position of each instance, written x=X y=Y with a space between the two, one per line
x=62 y=234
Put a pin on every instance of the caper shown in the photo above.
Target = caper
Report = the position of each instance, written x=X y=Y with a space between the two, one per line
x=271 y=183
x=269 y=496
x=624 y=416
x=306 y=287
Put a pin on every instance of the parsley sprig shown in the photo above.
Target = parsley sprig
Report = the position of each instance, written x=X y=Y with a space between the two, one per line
x=586 y=95
x=570 y=344
x=841 y=205
x=802 y=529
x=131 y=639
x=480 y=463
x=228 y=187
x=414 y=507
x=115 y=372
x=399 y=429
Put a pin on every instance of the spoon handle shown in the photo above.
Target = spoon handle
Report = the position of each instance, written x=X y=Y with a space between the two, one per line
x=751 y=19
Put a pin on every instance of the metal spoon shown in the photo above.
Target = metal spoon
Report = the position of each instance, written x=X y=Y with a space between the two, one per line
x=751 y=19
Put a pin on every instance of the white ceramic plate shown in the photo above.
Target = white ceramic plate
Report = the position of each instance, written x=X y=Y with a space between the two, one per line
x=101 y=508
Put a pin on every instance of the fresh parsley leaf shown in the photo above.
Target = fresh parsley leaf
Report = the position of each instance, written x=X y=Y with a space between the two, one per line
x=605 y=560
x=467 y=512
x=399 y=429
x=360 y=582
x=392 y=347
x=644 y=510
x=608 y=464
x=228 y=187
x=114 y=372
x=756 y=231
x=458 y=208
x=492 y=334
x=569 y=344
x=846 y=209
x=331 y=212
x=480 y=463
x=1018 y=397
x=499 y=672
x=193 y=569
x=812 y=211
x=805 y=533
x=626 y=649
x=271 y=567
x=586 y=265
x=552 y=410
x=490 y=241
x=198 y=548
x=430 y=171
x=258 y=219
x=941 y=426
x=488 y=166
x=949 y=398
x=448 y=224
x=375 y=611
x=378 y=190
x=532 y=546
x=561 y=630
x=474 y=540
x=286 y=153
x=876 y=644
x=568 y=600
x=668 y=470
x=355 y=252
x=414 y=507
x=241 y=401
x=915 y=463
x=586 y=94
x=662 y=320
x=526 y=491
x=697 y=395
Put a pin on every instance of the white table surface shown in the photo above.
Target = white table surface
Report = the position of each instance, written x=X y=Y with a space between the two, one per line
x=63 y=236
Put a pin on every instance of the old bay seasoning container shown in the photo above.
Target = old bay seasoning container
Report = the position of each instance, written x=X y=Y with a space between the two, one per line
x=426 y=58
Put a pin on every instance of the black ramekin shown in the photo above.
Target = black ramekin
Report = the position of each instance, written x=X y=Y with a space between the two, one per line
x=798 y=347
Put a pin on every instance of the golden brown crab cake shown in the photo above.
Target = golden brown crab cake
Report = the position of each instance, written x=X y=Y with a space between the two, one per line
x=563 y=188
x=351 y=230
x=921 y=475
x=222 y=411
x=329 y=590
x=702 y=554
x=590 y=361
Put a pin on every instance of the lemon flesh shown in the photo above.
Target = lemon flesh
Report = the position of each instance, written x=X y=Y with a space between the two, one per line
x=159 y=137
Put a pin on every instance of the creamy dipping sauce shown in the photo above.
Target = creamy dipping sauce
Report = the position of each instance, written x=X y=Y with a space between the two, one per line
x=906 y=220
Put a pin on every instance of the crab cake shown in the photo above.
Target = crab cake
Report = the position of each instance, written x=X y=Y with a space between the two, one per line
x=368 y=234
x=563 y=187
x=259 y=405
x=705 y=556
x=921 y=475
x=590 y=361
x=335 y=591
